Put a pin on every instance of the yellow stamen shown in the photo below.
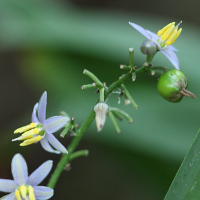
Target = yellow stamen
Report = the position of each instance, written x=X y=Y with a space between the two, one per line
x=31 y=194
x=31 y=141
x=31 y=132
x=177 y=34
x=168 y=31
x=17 y=194
x=23 y=191
x=160 y=32
x=171 y=38
x=25 y=128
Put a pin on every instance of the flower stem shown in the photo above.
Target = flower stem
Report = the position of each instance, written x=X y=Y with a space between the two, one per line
x=74 y=143
x=78 y=154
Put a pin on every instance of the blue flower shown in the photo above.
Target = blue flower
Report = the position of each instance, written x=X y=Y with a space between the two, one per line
x=163 y=40
x=41 y=129
x=24 y=187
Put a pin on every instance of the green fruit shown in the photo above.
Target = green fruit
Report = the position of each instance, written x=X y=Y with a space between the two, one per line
x=172 y=86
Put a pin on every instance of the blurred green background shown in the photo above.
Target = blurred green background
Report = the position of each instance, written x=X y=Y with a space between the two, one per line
x=45 y=45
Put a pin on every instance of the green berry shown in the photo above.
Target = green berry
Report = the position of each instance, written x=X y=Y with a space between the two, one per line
x=172 y=86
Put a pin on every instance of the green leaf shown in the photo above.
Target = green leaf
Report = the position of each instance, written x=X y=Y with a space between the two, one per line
x=186 y=183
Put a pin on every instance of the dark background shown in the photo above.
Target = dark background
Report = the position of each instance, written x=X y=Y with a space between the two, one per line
x=45 y=45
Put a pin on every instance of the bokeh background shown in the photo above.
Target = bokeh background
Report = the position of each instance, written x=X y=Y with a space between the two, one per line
x=45 y=45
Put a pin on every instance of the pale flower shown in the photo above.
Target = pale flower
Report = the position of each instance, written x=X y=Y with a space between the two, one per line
x=41 y=129
x=163 y=40
x=24 y=187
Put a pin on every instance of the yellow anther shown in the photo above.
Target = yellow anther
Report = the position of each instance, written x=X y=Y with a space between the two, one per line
x=17 y=195
x=31 y=132
x=164 y=37
x=168 y=32
x=177 y=34
x=31 y=194
x=160 y=32
x=31 y=141
x=171 y=37
x=36 y=131
x=23 y=191
x=25 y=128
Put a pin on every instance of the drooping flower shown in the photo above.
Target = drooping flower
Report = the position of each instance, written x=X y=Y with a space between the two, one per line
x=163 y=40
x=24 y=187
x=41 y=129
x=101 y=110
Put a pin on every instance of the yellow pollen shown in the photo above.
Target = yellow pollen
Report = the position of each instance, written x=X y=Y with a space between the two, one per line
x=17 y=194
x=31 y=193
x=23 y=191
x=31 y=141
x=160 y=32
x=170 y=33
x=25 y=128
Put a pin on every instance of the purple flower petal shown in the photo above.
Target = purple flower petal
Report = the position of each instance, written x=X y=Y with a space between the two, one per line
x=141 y=30
x=10 y=196
x=19 y=169
x=40 y=173
x=56 y=144
x=42 y=107
x=171 y=47
x=45 y=144
x=7 y=185
x=171 y=57
x=34 y=116
x=153 y=35
x=55 y=123
x=42 y=192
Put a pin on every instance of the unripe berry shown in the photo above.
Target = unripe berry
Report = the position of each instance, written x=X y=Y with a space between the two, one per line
x=172 y=86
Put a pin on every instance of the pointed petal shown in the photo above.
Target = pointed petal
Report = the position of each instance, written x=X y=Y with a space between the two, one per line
x=7 y=185
x=19 y=169
x=11 y=196
x=42 y=192
x=141 y=30
x=45 y=144
x=56 y=144
x=42 y=107
x=153 y=35
x=171 y=57
x=34 y=115
x=171 y=47
x=55 y=123
x=40 y=173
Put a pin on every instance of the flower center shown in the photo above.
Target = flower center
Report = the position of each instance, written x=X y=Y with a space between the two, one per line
x=25 y=192
x=169 y=34
x=32 y=133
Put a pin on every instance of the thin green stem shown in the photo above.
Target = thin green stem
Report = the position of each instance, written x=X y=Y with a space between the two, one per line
x=78 y=154
x=131 y=57
x=135 y=106
x=101 y=92
x=74 y=143
x=93 y=77
x=117 y=129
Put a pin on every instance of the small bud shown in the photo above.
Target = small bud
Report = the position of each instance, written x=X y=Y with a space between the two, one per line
x=127 y=102
x=148 y=47
x=101 y=110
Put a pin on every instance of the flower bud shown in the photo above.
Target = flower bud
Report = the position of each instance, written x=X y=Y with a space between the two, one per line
x=172 y=86
x=148 y=47
x=101 y=110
